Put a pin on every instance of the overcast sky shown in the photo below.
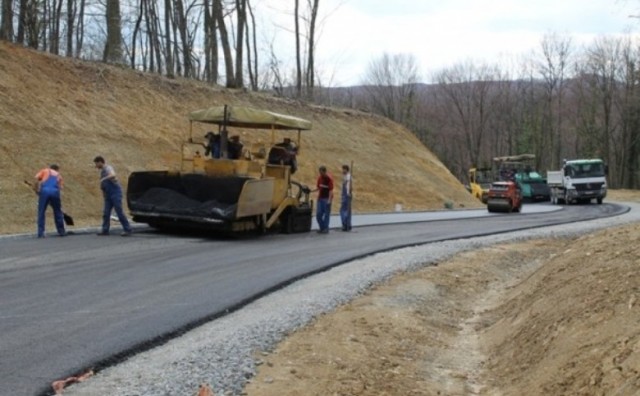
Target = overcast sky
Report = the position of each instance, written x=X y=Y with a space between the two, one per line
x=440 y=33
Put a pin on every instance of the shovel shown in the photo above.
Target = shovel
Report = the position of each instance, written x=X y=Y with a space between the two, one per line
x=68 y=220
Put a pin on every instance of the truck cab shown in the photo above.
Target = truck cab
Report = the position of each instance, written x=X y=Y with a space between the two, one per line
x=579 y=181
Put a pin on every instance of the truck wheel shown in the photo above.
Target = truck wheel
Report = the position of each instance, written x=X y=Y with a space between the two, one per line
x=599 y=200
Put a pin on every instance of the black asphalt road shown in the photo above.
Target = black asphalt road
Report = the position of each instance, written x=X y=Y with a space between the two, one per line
x=68 y=304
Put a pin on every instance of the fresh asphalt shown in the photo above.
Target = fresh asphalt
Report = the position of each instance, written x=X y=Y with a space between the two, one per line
x=83 y=301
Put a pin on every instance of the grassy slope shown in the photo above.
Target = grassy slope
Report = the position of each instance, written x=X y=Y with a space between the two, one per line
x=54 y=109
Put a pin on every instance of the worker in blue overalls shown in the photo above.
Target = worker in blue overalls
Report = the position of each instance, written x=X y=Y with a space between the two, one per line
x=48 y=186
x=112 y=193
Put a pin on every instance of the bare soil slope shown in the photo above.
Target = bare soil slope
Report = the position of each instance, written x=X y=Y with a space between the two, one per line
x=546 y=317
x=67 y=111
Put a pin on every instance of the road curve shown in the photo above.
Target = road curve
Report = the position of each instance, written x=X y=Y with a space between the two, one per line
x=67 y=304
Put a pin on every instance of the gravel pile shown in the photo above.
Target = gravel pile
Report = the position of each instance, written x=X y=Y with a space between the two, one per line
x=226 y=352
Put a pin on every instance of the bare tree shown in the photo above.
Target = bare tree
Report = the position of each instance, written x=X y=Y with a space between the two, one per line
x=210 y=43
x=464 y=92
x=296 y=19
x=226 y=46
x=113 y=46
x=311 y=46
x=252 y=44
x=71 y=21
x=6 y=24
x=241 y=16
x=390 y=85
x=555 y=52
x=79 y=35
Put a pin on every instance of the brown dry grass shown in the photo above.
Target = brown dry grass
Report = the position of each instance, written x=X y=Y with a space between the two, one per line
x=54 y=109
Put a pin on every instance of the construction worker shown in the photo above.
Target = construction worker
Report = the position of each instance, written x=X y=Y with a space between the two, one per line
x=213 y=146
x=234 y=149
x=48 y=186
x=112 y=193
x=345 y=204
x=324 y=187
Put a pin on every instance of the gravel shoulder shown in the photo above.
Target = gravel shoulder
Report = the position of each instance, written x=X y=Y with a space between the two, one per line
x=550 y=309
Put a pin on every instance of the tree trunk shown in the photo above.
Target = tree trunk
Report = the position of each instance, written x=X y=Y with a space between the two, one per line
x=71 y=20
x=252 y=65
x=296 y=16
x=209 y=37
x=54 y=32
x=241 y=10
x=184 y=37
x=224 y=39
x=6 y=25
x=113 y=46
x=136 y=30
x=22 y=17
x=31 y=24
x=80 y=29
x=168 y=50
x=311 y=78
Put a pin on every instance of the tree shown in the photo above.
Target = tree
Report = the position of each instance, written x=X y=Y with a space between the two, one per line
x=311 y=47
x=6 y=24
x=252 y=65
x=296 y=18
x=464 y=92
x=226 y=46
x=390 y=85
x=241 y=16
x=113 y=45
x=556 y=51
x=210 y=44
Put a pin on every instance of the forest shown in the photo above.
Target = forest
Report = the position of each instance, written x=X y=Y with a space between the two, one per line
x=560 y=101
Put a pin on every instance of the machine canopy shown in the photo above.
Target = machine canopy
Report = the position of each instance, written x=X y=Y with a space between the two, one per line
x=247 y=117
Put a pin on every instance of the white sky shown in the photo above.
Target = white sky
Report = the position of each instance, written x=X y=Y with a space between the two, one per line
x=440 y=33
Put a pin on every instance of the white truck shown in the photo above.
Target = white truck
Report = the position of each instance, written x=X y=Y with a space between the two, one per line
x=579 y=181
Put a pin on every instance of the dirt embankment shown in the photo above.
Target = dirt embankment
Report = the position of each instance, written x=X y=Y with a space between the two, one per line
x=66 y=111
x=546 y=317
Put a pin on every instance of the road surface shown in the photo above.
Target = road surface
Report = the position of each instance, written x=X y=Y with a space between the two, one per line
x=69 y=304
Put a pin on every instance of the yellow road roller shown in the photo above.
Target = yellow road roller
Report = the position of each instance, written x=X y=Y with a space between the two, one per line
x=223 y=185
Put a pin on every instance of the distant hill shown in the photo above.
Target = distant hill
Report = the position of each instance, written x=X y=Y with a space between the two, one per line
x=55 y=109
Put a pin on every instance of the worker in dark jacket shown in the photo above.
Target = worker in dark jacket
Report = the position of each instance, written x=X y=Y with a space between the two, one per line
x=234 y=148
x=48 y=186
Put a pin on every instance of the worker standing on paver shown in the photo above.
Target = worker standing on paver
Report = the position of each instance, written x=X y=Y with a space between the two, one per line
x=48 y=186
x=112 y=193
x=324 y=187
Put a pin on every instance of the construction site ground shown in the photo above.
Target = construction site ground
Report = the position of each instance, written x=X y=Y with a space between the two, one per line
x=549 y=317
x=542 y=317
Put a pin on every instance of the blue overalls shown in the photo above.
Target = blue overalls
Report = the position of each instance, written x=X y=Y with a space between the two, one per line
x=50 y=195
x=112 y=193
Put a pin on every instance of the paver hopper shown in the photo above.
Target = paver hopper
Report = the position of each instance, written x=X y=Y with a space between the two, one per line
x=222 y=193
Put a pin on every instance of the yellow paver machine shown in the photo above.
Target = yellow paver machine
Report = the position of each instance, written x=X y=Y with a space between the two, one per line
x=231 y=188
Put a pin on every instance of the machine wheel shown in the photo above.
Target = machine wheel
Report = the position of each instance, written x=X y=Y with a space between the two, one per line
x=287 y=221
x=567 y=201
x=599 y=200
x=518 y=208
